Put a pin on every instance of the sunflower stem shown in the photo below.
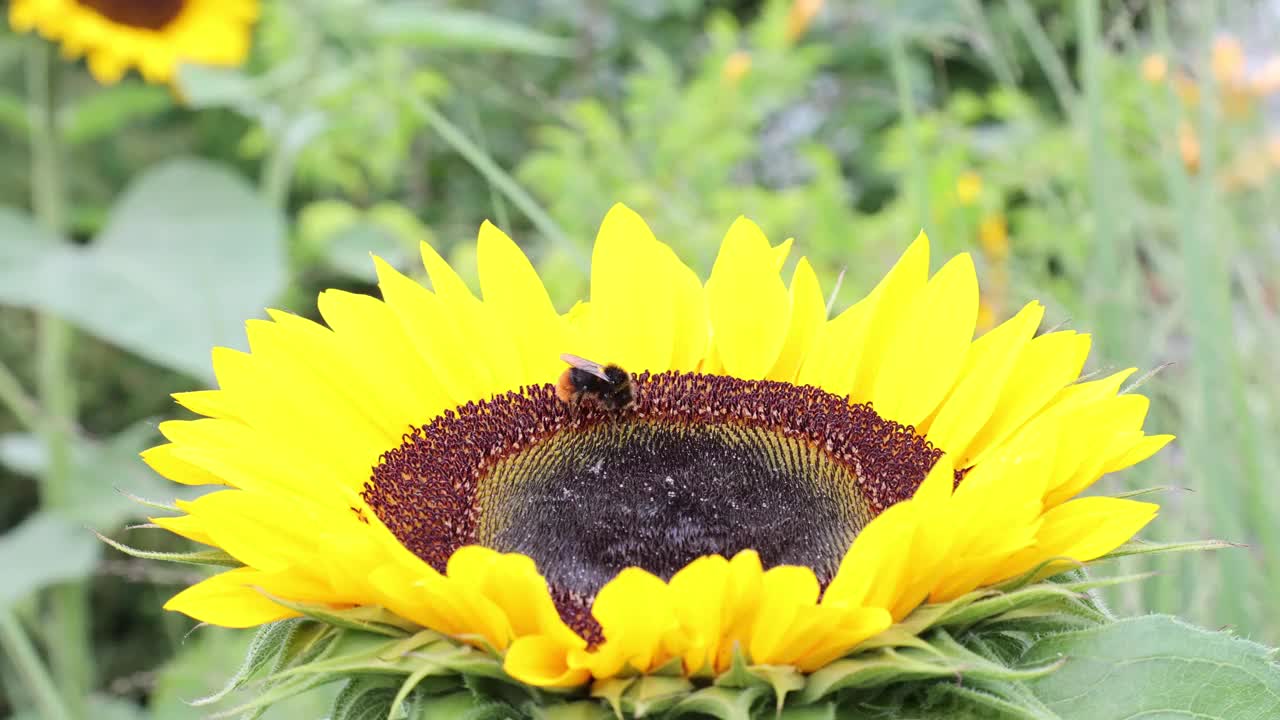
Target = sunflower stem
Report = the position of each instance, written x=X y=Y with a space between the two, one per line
x=25 y=409
x=1221 y=469
x=1110 y=255
x=35 y=676
x=899 y=65
x=69 y=647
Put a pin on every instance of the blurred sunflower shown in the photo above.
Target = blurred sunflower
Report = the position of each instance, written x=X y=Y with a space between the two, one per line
x=785 y=487
x=154 y=36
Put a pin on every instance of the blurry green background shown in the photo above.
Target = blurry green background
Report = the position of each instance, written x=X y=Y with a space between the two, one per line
x=1114 y=159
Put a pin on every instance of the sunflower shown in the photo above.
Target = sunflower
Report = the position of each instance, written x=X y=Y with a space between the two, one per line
x=783 y=489
x=154 y=36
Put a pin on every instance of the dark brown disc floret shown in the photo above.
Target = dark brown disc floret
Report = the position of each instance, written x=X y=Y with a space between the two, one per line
x=142 y=14
x=699 y=465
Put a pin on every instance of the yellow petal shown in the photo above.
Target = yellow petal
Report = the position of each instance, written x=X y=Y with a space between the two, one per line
x=520 y=302
x=988 y=363
x=892 y=299
x=808 y=314
x=749 y=305
x=692 y=323
x=924 y=356
x=540 y=661
x=164 y=460
x=229 y=600
x=635 y=612
x=187 y=526
x=1081 y=530
x=441 y=342
x=874 y=571
x=210 y=403
x=1088 y=528
x=832 y=364
x=632 y=308
x=743 y=590
x=377 y=346
x=698 y=594
x=780 y=253
x=787 y=593
x=1045 y=366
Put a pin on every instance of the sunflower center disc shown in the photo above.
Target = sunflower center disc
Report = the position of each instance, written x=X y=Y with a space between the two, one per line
x=700 y=465
x=587 y=503
x=145 y=14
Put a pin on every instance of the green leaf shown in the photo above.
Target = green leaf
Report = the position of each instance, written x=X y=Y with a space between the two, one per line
x=189 y=252
x=109 y=109
x=434 y=27
x=43 y=550
x=1156 y=667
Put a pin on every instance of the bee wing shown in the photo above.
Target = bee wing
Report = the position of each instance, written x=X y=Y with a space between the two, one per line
x=586 y=365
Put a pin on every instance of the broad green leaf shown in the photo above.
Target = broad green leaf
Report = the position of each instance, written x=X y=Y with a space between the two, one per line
x=435 y=27
x=43 y=550
x=109 y=109
x=1156 y=667
x=189 y=253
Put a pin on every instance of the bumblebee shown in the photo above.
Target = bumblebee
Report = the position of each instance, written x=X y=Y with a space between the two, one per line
x=587 y=382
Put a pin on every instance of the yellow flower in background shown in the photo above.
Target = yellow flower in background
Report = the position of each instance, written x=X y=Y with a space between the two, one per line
x=993 y=236
x=800 y=16
x=1227 y=61
x=785 y=485
x=1273 y=151
x=155 y=36
x=736 y=65
x=1189 y=147
x=968 y=187
x=1155 y=68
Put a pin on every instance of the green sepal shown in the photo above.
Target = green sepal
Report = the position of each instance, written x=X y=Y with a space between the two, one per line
x=993 y=653
x=264 y=649
x=641 y=695
x=212 y=556
x=721 y=703
x=365 y=618
x=1138 y=547
x=367 y=697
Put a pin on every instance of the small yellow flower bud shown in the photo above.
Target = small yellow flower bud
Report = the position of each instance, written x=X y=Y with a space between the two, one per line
x=1155 y=68
x=736 y=65
x=1228 y=61
x=993 y=236
x=968 y=187
x=800 y=17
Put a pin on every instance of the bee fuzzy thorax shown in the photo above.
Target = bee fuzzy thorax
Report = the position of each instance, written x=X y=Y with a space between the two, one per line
x=588 y=382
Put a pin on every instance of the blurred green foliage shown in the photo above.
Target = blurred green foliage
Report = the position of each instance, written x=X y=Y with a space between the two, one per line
x=1135 y=197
